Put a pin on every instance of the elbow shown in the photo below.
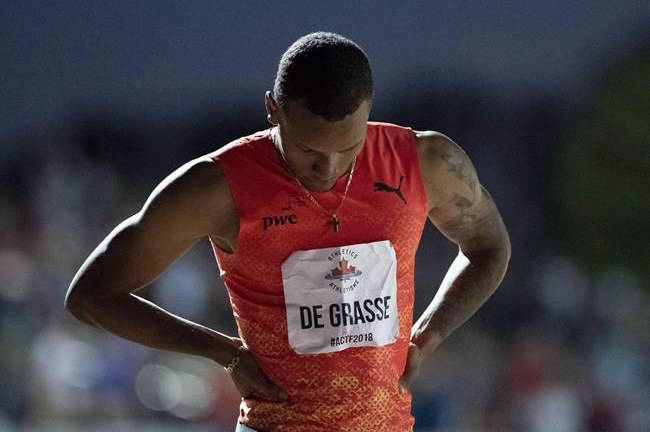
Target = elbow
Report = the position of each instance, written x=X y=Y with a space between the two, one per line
x=79 y=304
x=497 y=253
x=503 y=251
x=507 y=248
x=501 y=246
x=73 y=302
x=496 y=250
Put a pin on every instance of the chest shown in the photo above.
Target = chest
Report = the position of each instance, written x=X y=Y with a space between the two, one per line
x=375 y=208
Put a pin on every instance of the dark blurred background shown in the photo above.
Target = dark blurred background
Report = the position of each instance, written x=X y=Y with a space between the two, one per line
x=101 y=100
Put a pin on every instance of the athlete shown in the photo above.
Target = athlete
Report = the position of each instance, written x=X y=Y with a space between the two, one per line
x=314 y=223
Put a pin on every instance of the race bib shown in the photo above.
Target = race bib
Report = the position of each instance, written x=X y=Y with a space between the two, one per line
x=341 y=297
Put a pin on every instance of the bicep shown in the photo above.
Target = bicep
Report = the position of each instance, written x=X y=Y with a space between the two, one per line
x=474 y=224
x=138 y=250
x=459 y=206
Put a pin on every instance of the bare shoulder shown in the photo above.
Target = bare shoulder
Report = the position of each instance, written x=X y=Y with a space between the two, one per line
x=196 y=179
x=197 y=195
x=445 y=167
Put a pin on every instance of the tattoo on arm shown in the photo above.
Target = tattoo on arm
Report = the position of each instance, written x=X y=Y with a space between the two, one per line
x=462 y=227
x=455 y=163
x=463 y=204
x=459 y=165
x=459 y=206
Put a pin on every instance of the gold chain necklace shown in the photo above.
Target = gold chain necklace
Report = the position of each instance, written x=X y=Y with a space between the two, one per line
x=336 y=224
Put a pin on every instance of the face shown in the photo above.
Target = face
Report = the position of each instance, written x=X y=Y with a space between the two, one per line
x=318 y=151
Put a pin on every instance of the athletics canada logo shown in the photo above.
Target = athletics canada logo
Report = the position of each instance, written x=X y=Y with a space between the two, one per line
x=343 y=272
x=343 y=277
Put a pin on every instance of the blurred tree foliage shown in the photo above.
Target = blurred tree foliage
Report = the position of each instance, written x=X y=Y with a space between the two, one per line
x=599 y=191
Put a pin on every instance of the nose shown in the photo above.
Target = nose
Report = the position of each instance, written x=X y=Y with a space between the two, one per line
x=325 y=167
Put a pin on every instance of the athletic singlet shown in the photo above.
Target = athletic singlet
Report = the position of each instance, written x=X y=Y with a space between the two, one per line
x=327 y=314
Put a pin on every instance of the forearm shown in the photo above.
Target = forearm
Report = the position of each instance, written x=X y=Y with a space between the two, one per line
x=138 y=320
x=469 y=282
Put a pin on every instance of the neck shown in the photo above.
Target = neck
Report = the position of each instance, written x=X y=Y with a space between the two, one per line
x=277 y=142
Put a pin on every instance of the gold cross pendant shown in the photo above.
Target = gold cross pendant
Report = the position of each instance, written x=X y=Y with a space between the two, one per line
x=336 y=225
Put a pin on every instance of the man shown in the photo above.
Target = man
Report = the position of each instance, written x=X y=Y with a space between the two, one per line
x=314 y=224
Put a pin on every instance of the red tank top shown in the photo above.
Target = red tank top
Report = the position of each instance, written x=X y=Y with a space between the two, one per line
x=352 y=389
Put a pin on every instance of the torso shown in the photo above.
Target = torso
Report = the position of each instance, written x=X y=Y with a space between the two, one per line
x=386 y=206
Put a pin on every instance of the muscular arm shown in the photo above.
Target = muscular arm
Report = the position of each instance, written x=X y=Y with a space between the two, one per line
x=189 y=204
x=466 y=214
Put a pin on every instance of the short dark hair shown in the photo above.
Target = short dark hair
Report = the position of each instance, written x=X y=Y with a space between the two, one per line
x=328 y=73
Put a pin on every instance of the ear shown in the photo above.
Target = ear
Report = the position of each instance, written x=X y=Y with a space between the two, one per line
x=271 y=108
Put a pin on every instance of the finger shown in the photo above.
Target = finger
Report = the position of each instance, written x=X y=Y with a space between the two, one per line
x=268 y=390
x=407 y=378
x=269 y=395
x=277 y=393
x=403 y=387
x=408 y=371
x=258 y=385
x=404 y=383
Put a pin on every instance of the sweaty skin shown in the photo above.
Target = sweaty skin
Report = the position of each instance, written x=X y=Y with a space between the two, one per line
x=195 y=201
